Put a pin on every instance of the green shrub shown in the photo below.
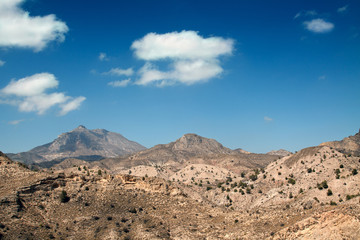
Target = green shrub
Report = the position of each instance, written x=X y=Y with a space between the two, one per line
x=64 y=197
x=291 y=181
x=329 y=192
x=291 y=195
x=253 y=177
x=322 y=185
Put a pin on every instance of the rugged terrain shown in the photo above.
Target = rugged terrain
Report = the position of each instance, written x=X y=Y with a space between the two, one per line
x=86 y=204
x=80 y=143
x=349 y=145
x=193 y=188
x=189 y=149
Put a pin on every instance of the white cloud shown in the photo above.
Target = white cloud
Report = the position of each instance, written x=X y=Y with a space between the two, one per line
x=29 y=95
x=268 y=119
x=22 y=30
x=122 y=83
x=2 y=63
x=181 y=45
x=120 y=72
x=103 y=57
x=42 y=102
x=305 y=13
x=319 y=26
x=16 y=122
x=193 y=59
x=31 y=86
x=71 y=105
x=343 y=9
x=323 y=77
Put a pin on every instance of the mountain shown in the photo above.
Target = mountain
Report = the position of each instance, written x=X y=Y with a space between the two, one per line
x=80 y=143
x=199 y=190
x=190 y=149
x=349 y=145
x=280 y=152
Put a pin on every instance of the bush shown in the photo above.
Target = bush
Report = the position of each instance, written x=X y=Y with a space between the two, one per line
x=329 y=192
x=333 y=203
x=64 y=197
x=208 y=188
x=309 y=170
x=291 y=181
x=354 y=172
x=99 y=172
x=322 y=185
x=253 y=177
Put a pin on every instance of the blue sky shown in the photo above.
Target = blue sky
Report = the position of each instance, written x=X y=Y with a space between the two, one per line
x=257 y=75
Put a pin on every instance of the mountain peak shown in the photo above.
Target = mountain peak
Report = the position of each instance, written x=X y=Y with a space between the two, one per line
x=80 y=127
x=82 y=143
x=194 y=143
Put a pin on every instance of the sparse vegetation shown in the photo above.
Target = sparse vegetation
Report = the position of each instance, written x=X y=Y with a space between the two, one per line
x=291 y=181
x=322 y=185
x=253 y=177
x=64 y=197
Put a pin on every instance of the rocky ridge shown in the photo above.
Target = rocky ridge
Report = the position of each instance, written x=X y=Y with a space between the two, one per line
x=349 y=145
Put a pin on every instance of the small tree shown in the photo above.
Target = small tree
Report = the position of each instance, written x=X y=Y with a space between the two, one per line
x=291 y=195
x=99 y=172
x=64 y=197
x=329 y=192
x=291 y=181
x=253 y=177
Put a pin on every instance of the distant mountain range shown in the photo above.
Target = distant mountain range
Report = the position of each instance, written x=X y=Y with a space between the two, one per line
x=191 y=149
x=280 y=152
x=80 y=143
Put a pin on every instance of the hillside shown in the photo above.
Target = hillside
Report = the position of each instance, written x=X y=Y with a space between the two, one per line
x=80 y=143
x=349 y=145
x=85 y=202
